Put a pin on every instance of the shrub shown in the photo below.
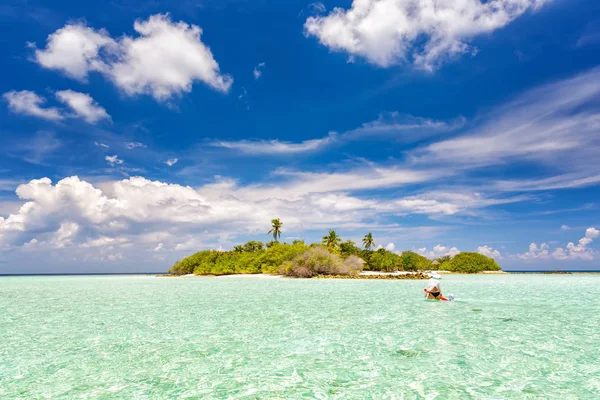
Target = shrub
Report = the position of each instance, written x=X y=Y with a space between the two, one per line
x=412 y=261
x=352 y=266
x=250 y=258
x=384 y=260
x=471 y=263
x=271 y=260
x=348 y=248
x=315 y=261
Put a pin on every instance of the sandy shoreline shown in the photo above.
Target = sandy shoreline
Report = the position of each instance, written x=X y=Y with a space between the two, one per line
x=363 y=273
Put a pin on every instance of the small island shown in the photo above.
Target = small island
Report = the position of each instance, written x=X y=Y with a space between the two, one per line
x=332 y=258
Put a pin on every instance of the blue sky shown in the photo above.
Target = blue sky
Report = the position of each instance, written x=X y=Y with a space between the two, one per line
x=135 y=133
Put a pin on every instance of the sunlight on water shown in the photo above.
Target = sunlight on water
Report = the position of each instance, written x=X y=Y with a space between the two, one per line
x=506 y=337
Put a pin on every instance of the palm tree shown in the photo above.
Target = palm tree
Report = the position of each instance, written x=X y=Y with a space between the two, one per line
x=368 y=241
x=332 y=240
x=276 y=228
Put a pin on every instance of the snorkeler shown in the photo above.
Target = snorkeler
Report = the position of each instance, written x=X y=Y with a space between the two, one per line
x=433 y=290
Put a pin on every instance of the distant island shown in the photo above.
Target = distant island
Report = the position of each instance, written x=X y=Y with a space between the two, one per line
x=333 y=257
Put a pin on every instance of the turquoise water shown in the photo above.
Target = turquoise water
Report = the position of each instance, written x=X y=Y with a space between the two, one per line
x=143 y=337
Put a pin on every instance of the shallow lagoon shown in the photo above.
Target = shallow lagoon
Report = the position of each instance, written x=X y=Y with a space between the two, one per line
x=506 y=337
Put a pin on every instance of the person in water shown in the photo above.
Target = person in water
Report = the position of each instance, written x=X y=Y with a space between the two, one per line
x=433 y=290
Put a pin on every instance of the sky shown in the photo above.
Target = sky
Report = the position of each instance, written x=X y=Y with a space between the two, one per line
x=135 y=133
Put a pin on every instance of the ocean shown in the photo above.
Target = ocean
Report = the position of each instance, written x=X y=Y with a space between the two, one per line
x=145 y=337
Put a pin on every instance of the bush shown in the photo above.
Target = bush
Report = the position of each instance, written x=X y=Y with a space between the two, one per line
x=348 y=248
x=271 y=260
x=471 y=263
x=412 y=261
x=319 y=261
x=250 y=258
x=384 y=260
x=352 y=266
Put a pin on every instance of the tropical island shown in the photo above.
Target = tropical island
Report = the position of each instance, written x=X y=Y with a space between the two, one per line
x=333 y=257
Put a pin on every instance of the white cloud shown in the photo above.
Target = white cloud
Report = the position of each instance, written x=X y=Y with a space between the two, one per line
x=171 y=161
x=489 y=252
x=259 y=147
x=101 y=145
x=133 y=145
x=403 y=128
x=163 y=61
x=317 y=7
x=390 y=247
x=138 y=212
x=83 y=106
x=75 y=50
x=446 y=202
x=28 y=103
x=572 y=251
x=561 y=118
x=113 y=160
x=392 y=125
x=258 y=70
x=535 y=252
x=423 y=32
x=438 y=251
x=564 y=227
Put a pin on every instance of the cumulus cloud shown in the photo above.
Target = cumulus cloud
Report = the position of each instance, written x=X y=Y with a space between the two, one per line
x=113 y=160
x=572 y=251
x=171 y=161
x=535 y=252
x=74 y=213
x=489 y=252
x=28 y=103
x=438 y=251
x=163 y=61
x=423 y=32
x=579 y=251
x=82 y=105
x=103 y=145
x=258 y=70
x=564 y=227
x=75 y=50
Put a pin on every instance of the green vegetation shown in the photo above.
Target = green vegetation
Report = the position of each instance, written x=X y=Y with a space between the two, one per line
x=368 y=241
x=332 y=241
x=383 y=260
x=412 y=261
x=276 y=225
x=246 y=259
x=333 y=257
x=319 y=261
x=469 y=263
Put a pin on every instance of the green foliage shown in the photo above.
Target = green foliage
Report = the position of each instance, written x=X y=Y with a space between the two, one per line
x=383 y=260
x=276 y=225
x=319 y=261
x=348 y=248
x=332 y=241
x=276 y=255
x=302 y=260
x=250 y=247
x=470 y=263
x=412 y=261
x=250 y=258
x=368 y=241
